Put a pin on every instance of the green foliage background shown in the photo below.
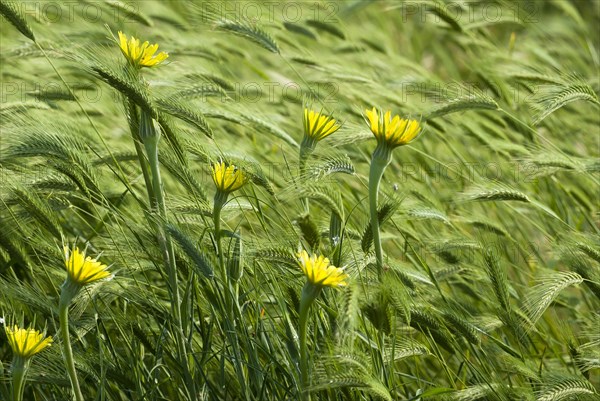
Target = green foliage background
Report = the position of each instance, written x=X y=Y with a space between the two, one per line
x=491 y=225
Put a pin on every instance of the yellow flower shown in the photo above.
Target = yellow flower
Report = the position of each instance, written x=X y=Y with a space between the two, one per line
x=392 y=131
x=25 y=343
x=84 y=270
x=140 y=55
x=228 y=178
x=319 y=272
x=318 y=126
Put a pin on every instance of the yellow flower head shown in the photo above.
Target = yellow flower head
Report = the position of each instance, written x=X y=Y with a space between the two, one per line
x=318 y=126
x=84 y=270
x=140 y=55
x=392 y=131
x=25 y=343
x=319 y=272
x=228 y=178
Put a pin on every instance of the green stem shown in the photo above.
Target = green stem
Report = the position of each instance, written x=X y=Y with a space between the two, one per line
x=303 y=157
x=19 y=371
x=139 y=150
x=232 y=337
x=63 y=315
x=310 y=292
x=159 y=207
x=219 y=201
x=381 y=159
x=230 y=318
x=150 y=139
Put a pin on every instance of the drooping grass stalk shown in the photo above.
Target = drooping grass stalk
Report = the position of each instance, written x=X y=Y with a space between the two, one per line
x=381 y=159
x=66 y=297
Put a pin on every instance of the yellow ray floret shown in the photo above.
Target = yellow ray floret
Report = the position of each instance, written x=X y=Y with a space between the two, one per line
x=140 y=55
x=84 y=270
x=392 y=131
x=319 y=272
x=318 y=126
x=26 y=342
x=228 y=178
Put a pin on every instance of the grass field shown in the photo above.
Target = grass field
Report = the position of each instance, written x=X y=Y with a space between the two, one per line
x=467 y=268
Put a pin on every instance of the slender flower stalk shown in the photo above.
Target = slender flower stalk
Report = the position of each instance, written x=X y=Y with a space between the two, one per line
x=378 y=166
x=317 y=126
x=150 y=137
x=390 y=134
x=25 y=343
x=319 y=273
x=81 y=271
x=19 y=370
x=309 y=294
x=63 y=316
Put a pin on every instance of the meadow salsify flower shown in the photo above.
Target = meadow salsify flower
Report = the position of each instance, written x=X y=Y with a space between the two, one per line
x=83 y=270
x=140 y=55
x=392 y=132
x=318 y=126
x=319 y=272
x=25 y=343
x=228 y=178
